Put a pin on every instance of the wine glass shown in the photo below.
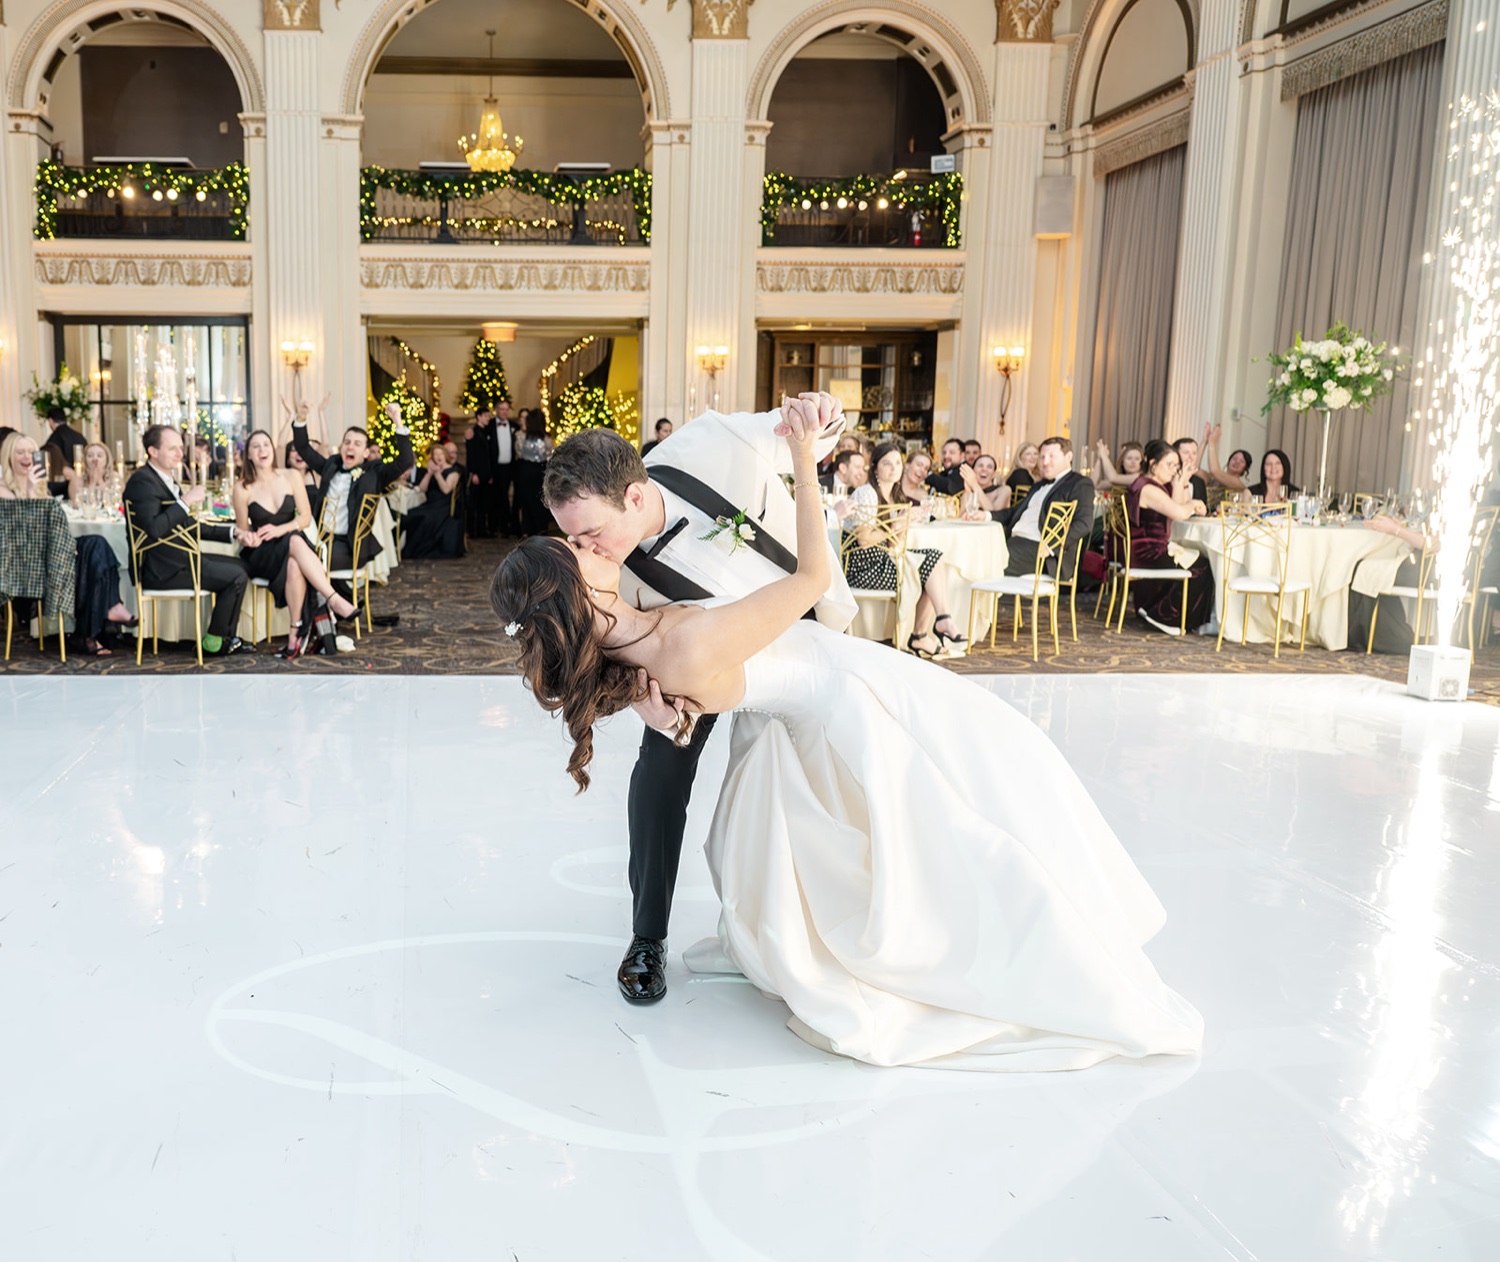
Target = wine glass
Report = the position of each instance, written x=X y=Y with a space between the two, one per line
x=1346 y=505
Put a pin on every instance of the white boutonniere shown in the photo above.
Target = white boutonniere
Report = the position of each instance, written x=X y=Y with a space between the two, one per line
x=730 y=533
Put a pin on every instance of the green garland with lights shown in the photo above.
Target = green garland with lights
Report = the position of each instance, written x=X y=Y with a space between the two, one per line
x=422 y=422
x=941 y=194
x=55 y=182
x=559 y=189
x=484 y=382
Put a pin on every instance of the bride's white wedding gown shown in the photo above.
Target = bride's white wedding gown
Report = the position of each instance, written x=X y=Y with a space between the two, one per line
x=910 y=864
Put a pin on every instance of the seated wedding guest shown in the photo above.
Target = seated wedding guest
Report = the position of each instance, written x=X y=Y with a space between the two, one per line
x=373 y=452
x=914 y=477
x=1023 y=476
x=158 y=506
x=98 y=477
x=849 y=471
x=533 y=450
x=97 y=608
x=949 y=479
x=1121 y=472
x=1160 y=496
x=272 y=509
x=1228 y=479
x=869 y=566
x=433 y=527
x=203 y=455
x=61 y=443
x=1057 y=484
x=993 y=494
x=663 y=430
x=973 y=449
x=1393 y=633
x=351 y=477
x=847 y=442
x=1188 y=453
x=1275 y=478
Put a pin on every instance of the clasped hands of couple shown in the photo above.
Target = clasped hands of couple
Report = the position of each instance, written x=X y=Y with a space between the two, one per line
x=805 y=419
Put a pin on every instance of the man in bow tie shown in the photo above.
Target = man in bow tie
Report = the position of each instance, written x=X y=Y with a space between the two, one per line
x=1059 y=484
x=662 y=519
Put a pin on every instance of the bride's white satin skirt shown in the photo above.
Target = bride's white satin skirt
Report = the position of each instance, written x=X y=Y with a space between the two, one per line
x=970 y=910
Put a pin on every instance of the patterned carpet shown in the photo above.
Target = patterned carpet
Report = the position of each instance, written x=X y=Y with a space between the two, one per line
x=446 y=628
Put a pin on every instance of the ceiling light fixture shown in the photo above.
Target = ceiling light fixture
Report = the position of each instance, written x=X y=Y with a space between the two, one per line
x=490 y=149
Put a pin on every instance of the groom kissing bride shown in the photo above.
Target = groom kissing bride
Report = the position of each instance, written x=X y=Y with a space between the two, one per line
x=906 y=912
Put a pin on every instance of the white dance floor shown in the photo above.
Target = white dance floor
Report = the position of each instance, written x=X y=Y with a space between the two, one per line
x=313 y=970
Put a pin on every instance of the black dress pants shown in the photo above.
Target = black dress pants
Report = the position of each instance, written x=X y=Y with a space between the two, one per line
x=660 y=787
x=227 y=579
x=502 y=510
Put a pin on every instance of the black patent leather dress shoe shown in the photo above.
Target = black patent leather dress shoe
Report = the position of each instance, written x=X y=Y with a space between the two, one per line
x=643 y=972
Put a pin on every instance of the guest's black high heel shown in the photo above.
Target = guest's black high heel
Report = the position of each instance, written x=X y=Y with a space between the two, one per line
x=943 y=637
x=911 y=643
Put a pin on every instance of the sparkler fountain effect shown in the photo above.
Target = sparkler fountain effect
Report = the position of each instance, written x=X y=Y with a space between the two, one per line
x=1464 y=395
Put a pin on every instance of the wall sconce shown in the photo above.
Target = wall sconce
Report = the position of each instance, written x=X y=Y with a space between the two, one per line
x=711 y=359
x=1008 y=360
x=296 y=354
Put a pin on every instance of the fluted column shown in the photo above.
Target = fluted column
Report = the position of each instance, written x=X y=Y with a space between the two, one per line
x=345 y=348
x=1195 y=381
x=287 y=238
x=664 y=350
x=19 y=328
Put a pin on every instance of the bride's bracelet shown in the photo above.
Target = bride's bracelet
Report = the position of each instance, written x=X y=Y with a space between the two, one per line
x=797 y=486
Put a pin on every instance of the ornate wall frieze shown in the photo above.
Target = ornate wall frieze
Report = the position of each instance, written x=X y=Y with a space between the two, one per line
x=1024 y=21
x=721 y=19
x=1373 y=46
x=291 y=15
x=544 y=275
x=150 y=271
x=1144 y=142
x=920 y=276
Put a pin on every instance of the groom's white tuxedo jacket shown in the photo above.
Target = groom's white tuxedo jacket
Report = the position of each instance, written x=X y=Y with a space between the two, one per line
x=718 y=465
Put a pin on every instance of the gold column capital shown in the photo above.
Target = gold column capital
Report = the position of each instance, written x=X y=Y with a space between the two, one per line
x=1024 y=21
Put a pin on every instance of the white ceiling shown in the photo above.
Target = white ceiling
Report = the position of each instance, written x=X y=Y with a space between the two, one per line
x=529 y=29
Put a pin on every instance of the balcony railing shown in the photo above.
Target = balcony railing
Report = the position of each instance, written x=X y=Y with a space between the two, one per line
x=144 y=200
x=503 y=208
x=901 y=210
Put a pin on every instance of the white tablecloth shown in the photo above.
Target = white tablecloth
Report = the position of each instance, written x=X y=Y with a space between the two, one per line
x=177 y=618
x=971 y=551
x=403 y=498
x=1324 y=556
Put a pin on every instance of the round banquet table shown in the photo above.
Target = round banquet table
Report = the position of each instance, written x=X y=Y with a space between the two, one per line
x=972 y=551
x=176 y=618
x=1324 y=556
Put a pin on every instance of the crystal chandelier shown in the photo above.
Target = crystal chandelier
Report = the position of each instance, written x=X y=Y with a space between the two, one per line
x=490 y=149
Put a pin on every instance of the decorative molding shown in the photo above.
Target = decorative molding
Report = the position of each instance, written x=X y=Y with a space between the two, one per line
x=935 y=38
x=919 y=276
x=1406 y=33
x=550 y=275
x=721 y=19
x=1099 y=21
x=1024 y=21
x=62 y=28
x=147 y=270
x=1144 y=142
x=291 y=15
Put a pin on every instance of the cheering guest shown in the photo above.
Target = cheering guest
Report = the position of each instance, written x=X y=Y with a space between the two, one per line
x=1160 y=496
x=1228 y=479
x=350 y=478
x=993 y=494
x=433 y=527
x=1187 y=452
x=914 y=478
x=272 y=510
x=949 y=480
x=973 y=449
x=98 y=477
x=1058 y=484
x=158 y=506
x=1121 y=472
x=663 y=430
x=1275 y=478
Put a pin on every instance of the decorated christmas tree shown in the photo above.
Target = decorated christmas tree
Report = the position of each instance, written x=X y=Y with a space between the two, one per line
x=484 y=382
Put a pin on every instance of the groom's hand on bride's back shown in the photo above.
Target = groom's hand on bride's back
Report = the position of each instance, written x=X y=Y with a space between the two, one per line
x=663 y=714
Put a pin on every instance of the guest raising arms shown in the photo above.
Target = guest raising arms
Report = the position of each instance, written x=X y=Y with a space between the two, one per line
x=1121 y=472
x=1161 y=495
x=272 y=510
x=1227 y=479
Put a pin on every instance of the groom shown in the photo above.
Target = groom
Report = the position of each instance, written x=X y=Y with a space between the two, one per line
x=650 y=517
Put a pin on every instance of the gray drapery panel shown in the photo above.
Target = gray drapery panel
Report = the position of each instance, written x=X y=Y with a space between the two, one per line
x=1355 y=225
x=1137 y=278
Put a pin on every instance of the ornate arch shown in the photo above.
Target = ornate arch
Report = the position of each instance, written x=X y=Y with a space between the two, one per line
x=67 y=25
x=923 y=32
x=623 y=26
x=1087 y=56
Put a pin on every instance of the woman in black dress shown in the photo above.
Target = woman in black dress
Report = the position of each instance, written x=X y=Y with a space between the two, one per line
x=433 y=528
x=271 y=505
x=1157 y=498
x=532 y=454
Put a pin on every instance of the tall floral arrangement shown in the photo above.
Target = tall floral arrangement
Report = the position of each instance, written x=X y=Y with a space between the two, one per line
x=67 y=392
x=1344 y=370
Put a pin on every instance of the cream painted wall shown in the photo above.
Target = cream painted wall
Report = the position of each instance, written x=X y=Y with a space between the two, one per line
x=1149 y=49
x=65 y=111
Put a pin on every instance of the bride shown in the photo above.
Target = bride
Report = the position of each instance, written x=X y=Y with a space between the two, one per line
x=904 y=916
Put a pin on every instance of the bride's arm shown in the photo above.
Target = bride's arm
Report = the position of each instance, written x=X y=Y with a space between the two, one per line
x=720 y=640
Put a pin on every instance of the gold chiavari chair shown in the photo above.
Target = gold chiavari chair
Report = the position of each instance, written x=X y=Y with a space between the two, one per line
x=1117 y=539
x=185 y=539
x=1367 y=504
x=261 y=597
x=1249 y=532
x=10 y=623
x=1424 y=593
x=1037 y=586
x=1104 y=502
x=886 y=530
x=358 y=573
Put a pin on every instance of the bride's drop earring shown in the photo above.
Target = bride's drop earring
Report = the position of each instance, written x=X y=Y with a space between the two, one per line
x=593 y=595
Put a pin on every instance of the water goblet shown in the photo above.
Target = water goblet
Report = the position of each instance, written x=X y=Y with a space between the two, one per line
x=1346 y=505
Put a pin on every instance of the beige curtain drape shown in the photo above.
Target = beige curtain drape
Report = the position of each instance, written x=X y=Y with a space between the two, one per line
x=1137 y=277
x=1356 y=221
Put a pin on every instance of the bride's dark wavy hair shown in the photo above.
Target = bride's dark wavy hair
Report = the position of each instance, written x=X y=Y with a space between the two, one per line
x=540 y=586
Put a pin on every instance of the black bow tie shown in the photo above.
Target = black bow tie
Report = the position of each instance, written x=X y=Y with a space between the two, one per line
x=666 y=537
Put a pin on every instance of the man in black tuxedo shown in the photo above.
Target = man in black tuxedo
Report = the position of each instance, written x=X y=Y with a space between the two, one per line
x=1058 y=484
x=349 y=478
x=1187 y=452
x=64 y=440
x=158 y=505
x=950 y=480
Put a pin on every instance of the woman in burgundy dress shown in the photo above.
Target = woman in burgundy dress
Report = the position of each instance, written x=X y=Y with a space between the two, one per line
x=1160 y=496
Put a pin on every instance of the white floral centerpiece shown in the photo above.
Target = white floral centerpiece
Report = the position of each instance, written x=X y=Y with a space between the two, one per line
x=1344 y=370
x=67 y=392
